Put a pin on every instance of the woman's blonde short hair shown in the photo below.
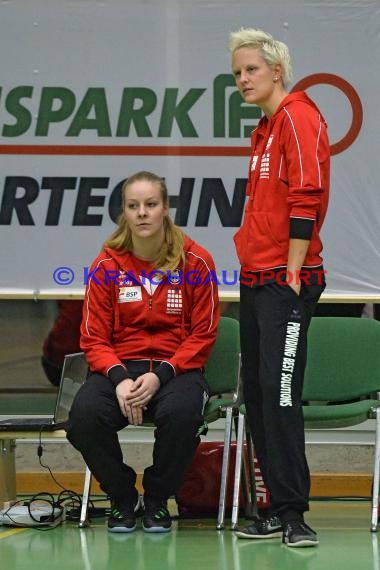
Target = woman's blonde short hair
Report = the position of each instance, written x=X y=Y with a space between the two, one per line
x=273 y=51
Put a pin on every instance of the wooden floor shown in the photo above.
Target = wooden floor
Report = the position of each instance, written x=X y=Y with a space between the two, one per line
x=343 y=527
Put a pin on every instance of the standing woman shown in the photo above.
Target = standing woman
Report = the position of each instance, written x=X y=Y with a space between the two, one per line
x=282 y=276
x=147 y=331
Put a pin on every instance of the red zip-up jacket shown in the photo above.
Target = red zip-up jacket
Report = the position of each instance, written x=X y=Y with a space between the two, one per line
x=174 y=319
x=288 y=186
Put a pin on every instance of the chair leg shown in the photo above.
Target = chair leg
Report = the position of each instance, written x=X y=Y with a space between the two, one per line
x=225 y=468
x=245 y=469
x=238 y=469
x=83 y=521
x=376 y=477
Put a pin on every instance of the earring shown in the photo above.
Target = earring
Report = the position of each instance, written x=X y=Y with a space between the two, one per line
x=275 y=79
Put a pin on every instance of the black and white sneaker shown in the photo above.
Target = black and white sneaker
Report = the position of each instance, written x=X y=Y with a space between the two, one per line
x=269 y=527
x=156 y=516
x=123 y=515
x=298 y=534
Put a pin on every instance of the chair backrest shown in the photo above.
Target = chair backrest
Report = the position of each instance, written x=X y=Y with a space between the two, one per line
x=343 y=359
x=223 y=366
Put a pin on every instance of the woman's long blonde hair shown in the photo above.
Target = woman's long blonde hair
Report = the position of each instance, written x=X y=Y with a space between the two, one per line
x=171 y=254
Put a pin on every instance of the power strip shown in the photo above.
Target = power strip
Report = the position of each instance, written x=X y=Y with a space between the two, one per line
x=22 y=515
x=74 y=513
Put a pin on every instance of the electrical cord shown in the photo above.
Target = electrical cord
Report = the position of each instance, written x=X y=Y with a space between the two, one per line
x=67 y=498
x=44 y=510
x=40 y=451
x=51 y=512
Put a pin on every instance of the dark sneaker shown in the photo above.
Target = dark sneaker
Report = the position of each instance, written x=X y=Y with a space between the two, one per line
x=156 y=517
x=298 y=534
x=123 y=515
x=269 y=527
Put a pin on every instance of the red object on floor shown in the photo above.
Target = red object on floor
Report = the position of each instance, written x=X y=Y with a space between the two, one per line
x=199 y=494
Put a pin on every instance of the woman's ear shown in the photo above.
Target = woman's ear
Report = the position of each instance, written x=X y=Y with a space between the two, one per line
x=277 y=72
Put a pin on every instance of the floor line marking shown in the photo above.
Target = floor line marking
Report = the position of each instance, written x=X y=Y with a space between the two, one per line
x=11 y=532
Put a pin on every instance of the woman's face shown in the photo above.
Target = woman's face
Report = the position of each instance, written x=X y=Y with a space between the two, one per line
x=144 y=209
x=254 y=78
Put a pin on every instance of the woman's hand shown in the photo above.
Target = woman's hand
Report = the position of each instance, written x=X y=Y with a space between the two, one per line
x=134 y=414
x=134 y=395
x=143 y=389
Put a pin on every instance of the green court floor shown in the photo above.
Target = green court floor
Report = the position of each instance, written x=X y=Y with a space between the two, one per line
x=345 y=544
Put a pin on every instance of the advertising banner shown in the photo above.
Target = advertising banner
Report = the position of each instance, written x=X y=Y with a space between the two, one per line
x=93 y=91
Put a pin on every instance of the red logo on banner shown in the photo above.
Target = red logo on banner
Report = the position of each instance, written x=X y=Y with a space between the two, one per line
x=352 y=96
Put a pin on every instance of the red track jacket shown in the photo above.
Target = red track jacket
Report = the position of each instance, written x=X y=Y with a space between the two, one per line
x=126 y=317
x=288 y=180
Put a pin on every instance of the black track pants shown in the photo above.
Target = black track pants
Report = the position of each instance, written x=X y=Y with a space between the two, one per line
x=177 y=412
x=273 y=325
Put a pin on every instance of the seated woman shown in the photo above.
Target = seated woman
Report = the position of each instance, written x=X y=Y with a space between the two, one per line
x=149 y=323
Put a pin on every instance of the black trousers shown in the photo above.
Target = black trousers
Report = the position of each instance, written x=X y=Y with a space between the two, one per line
x=177 y=412
x=273 y=325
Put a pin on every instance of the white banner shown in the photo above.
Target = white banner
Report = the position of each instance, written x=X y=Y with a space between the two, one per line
x=92 y=91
